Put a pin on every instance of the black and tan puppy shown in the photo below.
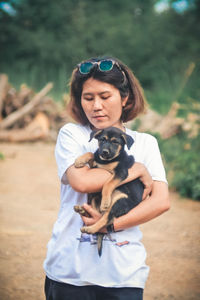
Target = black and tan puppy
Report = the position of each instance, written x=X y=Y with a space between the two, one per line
x=114 y=200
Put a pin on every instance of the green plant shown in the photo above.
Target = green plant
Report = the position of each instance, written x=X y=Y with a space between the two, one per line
x=2 y=156
x=181 y=156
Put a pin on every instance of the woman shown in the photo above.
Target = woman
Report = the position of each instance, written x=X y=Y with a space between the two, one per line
x=104 y=92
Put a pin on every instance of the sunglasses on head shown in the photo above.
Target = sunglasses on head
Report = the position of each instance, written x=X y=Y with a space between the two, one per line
x=104 y=65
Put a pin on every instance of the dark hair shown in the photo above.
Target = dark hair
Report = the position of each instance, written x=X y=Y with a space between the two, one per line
x=121 y=77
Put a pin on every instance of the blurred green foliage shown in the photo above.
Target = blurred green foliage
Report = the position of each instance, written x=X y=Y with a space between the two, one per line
x=181 y=156
x=45 y=39
x=180 y=152
x=2 y=156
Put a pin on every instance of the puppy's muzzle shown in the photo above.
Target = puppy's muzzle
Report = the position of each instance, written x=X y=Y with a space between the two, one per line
x=105 y=154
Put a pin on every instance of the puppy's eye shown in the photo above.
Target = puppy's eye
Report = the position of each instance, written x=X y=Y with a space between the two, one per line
x=115 y=141
x=103 y=140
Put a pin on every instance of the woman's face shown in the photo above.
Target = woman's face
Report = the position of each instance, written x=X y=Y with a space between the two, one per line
x=102 y=104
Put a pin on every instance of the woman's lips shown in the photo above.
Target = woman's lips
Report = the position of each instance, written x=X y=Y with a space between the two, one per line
x=98 y=117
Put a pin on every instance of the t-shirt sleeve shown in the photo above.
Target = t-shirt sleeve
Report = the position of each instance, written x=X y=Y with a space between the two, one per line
x=153 y=160
x=68 y=148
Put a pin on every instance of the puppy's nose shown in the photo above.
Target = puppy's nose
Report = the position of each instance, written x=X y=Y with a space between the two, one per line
x=105 y=152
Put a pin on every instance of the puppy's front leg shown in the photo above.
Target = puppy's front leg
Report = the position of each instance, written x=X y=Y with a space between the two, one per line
x=107 y=191
x=82 y=160
x=81 y=210
x=97 y=226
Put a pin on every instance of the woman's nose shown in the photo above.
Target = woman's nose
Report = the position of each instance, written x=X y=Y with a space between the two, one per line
x=97 y=104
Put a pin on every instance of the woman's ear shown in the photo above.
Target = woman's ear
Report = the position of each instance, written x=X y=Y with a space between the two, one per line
x=124 y=100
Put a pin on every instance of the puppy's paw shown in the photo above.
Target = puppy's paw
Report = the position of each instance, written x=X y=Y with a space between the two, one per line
x=88 y=229
x=79 y=209
x=79 y=163
x=104 y=207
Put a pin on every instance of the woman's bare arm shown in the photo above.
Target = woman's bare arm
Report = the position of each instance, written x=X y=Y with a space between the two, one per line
x=153 y=206
x=86 y=180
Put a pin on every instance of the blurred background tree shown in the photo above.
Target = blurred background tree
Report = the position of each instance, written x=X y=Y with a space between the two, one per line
x=43 y=40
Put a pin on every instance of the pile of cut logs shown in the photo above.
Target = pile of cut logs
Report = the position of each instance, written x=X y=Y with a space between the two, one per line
x=170 y=124
x=28 y=116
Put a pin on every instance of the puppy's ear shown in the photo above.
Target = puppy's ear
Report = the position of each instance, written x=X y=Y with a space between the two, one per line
x=95 y=134
x=128 y=140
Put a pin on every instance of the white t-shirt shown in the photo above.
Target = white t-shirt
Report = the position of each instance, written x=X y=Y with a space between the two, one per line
x=72 y=257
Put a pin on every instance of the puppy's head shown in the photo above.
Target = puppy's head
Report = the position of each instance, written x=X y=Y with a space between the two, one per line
x=111 y=142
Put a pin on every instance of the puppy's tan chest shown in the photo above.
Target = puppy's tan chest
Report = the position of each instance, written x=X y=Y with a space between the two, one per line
x=109 y=167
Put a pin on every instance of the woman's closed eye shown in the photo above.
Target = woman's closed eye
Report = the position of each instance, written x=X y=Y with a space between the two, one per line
x=105 y=97
x=88 y=98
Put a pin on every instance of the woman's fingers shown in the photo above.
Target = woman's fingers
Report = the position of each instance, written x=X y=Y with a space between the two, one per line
x=148 y=185
x=93 y=212
x=147 y=182
x=87 y=221
x=94 y=215
x=146 y=193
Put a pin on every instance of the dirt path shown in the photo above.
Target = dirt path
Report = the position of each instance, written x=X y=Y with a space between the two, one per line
x=29 y=201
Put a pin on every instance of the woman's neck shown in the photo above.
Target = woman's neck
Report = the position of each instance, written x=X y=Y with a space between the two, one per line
x=120 y=126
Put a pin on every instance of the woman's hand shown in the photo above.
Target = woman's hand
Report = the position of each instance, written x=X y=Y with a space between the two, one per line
x=138 y=170
x=147 y=181
x=94 y=216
